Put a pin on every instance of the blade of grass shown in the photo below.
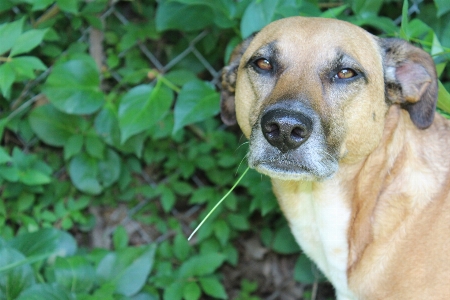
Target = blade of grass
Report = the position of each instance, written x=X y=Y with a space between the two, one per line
x=404 y=32
x=218 y=203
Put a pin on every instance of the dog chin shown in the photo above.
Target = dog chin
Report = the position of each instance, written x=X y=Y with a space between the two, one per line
x=294 y=174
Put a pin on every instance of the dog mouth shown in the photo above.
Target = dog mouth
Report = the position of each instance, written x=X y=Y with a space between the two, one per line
x=294 y=165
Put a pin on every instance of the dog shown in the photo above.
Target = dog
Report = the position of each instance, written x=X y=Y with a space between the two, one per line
x=344 y=124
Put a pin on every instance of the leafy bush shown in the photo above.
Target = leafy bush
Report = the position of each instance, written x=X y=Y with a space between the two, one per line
x=110 y=108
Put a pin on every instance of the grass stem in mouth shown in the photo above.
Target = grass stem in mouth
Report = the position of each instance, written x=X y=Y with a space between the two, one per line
x=218 y=203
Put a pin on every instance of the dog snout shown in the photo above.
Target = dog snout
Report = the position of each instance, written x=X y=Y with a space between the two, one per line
x=285 y=129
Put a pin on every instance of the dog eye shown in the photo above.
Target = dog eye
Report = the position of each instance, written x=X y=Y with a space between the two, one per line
x=346 y=73
x=263 y=64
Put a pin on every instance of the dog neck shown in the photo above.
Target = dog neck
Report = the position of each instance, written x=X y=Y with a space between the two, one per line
x=366 y=183
x=385 y=206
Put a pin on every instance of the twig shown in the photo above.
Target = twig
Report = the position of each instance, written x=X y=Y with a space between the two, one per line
x=50 y=13
x=314 y=290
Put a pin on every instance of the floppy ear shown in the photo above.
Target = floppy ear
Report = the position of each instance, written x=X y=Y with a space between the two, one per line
x=411 y=80
x=229 y=77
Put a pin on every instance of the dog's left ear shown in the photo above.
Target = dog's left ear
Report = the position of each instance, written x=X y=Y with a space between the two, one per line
x=229 y=77
x=411 y=80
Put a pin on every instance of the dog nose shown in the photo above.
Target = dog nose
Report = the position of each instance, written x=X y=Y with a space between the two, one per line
x=285 y=129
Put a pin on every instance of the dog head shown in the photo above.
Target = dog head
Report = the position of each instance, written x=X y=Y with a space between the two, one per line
x=310 y=93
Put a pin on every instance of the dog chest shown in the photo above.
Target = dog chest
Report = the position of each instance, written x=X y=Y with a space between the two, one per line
x=319 y=216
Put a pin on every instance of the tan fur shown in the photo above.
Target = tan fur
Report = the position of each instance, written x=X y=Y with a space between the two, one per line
x=402 y=201
x=376 y=165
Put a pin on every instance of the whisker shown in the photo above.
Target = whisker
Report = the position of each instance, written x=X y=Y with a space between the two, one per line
x=329 y=155
x=241 y=145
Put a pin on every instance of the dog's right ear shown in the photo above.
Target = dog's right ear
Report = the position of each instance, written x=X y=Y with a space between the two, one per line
x=411 y=80
x=229 y=77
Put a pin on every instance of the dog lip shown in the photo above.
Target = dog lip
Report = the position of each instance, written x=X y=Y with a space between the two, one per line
x=282 y=172
x=288 y=170
x=293 y=165
x=283 y=166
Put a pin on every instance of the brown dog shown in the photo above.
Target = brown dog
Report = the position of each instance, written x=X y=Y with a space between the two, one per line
x=344 y=123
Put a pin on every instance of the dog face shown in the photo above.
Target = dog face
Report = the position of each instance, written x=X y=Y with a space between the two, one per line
x=312 y=93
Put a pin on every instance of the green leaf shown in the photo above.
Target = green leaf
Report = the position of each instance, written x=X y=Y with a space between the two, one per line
x=222 y=231
x=7 y=78
x=404 y=32
x=25 y=201
x=26 y=65
x=9 y=33
x=142 y=107
x=180 y=77
x=334 y=12
x=238 y=221
x=52 y=126
x=260 y=13
x=120 y=238
x=202 y=194
x=109 y=168
x=95 y=147
x=74 y=87
x=257 y=15
x=31 y=170
x=366 y=8
x=418 y=29
x=181 y=247
x=174 y=291
x=73 y=146
x=436 y=47
x=70 y=6
x=385 y=24
x=224 y=12
x=167 y=198
x=284 y=242
x=232 y=254
x=192 y=291
x=79 y=204
x=107 y=125
x=10 y=173
x=27 y=41
x=127 y=269
x=443 y=98
x=14 y=280
x=47 y=292
x=305 y=271
x=66 y=223
x=6 y=5
x=83 y=171
x=173 y=15
x=45 y=241
x=75 y=274
x=3 y=123
x=39 y=4
x=201 y=265
x=4 y=156
x=443 y=7
x=222 y=8
x=213 y=287
x=34 y=177
x=182 y=188
x=196 y=102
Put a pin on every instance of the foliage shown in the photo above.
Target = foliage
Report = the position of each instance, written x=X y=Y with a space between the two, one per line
x=135 y=124
x=67 y=273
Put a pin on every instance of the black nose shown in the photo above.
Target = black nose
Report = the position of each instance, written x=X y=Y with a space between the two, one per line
x=285 y=129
